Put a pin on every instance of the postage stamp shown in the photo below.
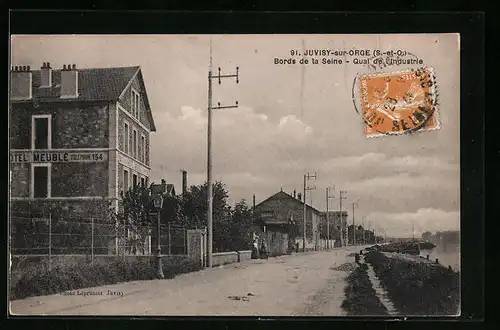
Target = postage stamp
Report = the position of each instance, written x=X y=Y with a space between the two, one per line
x=399 y=102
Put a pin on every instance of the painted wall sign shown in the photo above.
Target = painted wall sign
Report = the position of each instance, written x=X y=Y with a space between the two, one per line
x=58 y=157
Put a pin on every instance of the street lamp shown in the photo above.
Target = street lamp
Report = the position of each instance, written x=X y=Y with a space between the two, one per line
x=158 y=203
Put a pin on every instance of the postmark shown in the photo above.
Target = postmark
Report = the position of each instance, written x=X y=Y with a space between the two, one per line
x=399 y=102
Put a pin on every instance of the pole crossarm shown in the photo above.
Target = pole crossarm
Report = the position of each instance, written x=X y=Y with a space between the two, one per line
x=225 y=106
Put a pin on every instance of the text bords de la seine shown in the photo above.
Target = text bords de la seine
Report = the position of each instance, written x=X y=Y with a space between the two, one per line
x=354 y=56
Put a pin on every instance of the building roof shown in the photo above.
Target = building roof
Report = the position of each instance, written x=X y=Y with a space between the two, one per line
x=163 y=188
x=282 y=194
x=170 y=189
x=94 y=84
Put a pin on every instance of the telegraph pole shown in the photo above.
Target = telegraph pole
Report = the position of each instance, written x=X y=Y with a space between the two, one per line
x=343 y=238
x=413 y=231
x=363 y=225
x=369 y=227
x=354 y=204
x=306 y=188
x=209 y=150
x=328 y=197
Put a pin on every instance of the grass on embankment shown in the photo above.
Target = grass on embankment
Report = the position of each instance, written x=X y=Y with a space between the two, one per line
x=37 y=280
x=416 y=288
x=360 y=297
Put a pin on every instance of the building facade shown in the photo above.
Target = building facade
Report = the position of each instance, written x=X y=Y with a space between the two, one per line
x=77 y=135
x=280 y=220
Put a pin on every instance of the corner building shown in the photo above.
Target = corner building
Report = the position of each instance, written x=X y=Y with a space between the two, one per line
x=77 y=135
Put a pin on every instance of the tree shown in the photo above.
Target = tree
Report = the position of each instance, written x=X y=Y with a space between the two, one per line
x=172 y=211
x=427 y=236
x=240 y=227
x=194 y=205
x=135 y=218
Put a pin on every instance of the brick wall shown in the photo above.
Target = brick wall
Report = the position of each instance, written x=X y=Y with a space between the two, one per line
x=85 y=208
x=85 y=126
x=79 y=179
x=81 y=128
x=223 y=258
x=20 y=180
x=20 y=127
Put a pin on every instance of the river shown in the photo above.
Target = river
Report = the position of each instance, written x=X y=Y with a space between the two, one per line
x=448 y=254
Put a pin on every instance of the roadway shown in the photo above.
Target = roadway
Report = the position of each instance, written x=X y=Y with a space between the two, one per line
x=302 y=284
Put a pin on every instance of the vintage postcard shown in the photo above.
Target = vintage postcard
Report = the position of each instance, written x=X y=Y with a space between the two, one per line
x=235 y=175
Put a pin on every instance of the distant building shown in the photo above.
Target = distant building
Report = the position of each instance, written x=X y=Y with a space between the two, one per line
x=335 y=225
x=77 y=135
x=163 y=188
x=279 y=221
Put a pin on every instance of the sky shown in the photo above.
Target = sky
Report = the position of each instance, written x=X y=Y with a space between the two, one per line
x=291 y=119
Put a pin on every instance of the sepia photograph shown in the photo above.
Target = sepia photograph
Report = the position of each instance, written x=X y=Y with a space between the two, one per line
x=234 y=175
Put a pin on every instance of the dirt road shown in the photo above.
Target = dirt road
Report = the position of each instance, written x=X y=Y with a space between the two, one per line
x=295 y=285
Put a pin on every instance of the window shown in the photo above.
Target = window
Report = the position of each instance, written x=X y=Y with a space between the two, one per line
x=126 y=137
x=143 y=149
x=143 y=182
x=41 y=180
x=134 y=144
x=41 y=131
x=134 y=180
x=136 y=104
x=125 y=180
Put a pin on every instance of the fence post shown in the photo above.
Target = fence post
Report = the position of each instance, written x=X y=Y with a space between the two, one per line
x=92 y=240
x=116 y=237
x=50 y=241
x=184 y=234
x=169 y=240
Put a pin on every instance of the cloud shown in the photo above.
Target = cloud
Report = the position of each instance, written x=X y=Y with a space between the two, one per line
x=402 y=224
x=245 y=143
x=294 y=126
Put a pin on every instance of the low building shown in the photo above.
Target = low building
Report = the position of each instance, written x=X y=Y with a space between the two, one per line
x=279 y=221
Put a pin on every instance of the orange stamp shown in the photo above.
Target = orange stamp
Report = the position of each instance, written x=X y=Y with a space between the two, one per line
x=399 y=102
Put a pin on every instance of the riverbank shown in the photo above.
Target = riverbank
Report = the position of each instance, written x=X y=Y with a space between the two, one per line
x=410 y=247
x=417 y=286
x=360 y=296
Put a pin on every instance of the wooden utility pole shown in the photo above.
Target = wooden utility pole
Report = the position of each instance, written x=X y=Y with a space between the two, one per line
x=354 y=204
x=328 y=197
x=209 y=150
x=343 y=238
x=363 y=226
x=306 y=188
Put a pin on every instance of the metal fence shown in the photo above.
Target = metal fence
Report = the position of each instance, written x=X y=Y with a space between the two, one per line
x=44 y=235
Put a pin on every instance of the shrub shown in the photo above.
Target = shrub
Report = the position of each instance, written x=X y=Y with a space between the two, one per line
x=415 y=289
x=360 y=297
x=37 y=280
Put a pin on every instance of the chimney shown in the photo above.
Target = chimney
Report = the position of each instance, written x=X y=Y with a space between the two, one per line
x=184 y=182
x=21 y=83
x=46 y=75
x=294 y=193
x=69 y=82
x=299 y=196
